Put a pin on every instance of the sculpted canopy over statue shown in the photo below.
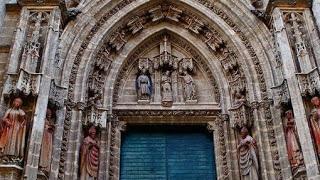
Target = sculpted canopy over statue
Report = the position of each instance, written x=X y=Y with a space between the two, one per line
x=47 y=142
x=315 y=123
x=89 y=156
x=248 y=156
x=144 y=86
x=189 y=87
x=13 y=130
x=294 y=151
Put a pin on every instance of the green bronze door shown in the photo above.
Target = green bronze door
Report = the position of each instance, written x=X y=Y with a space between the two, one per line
x=167 y=154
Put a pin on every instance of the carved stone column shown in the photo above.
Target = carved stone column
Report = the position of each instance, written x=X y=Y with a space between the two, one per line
x=218 y=132
x=47 y=59
x=116 y=127
x=297 y=101
x=316 y=12
x=57 y=141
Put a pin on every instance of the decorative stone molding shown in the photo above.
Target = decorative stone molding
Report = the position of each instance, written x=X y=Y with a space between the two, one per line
x=166 y=112
x=165 y=11
x=309 y=83
x=240 y=116
x=219 y=123
x=25 y=82
x=115 y=142
x=266 y=111
x=57 y=94
x=299 y=40
x=281 y=93
x=97 y=116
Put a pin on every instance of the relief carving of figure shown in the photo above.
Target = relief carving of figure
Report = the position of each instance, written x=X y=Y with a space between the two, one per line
x=315 y=124
x=248 y=159
x=166 y=87
x=189 y=87
x=89 y=156
x=13 y=130
x=144 y=86
x=294 y=151
x=47 y=143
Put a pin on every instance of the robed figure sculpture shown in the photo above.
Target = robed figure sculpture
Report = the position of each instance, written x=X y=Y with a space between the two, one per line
x=144 y=86
x=89 y=156
x=315 y=123
x=248 y=159
x=47 y=143
x=293 y=146
x=13 y=130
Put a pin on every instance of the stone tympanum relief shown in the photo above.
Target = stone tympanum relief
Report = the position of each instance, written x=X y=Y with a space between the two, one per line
x=248 y=158
x=47 y=143
x=89 y=156
x=293 y=146
x=13 y=131
x=172 y=76
x=314 y=123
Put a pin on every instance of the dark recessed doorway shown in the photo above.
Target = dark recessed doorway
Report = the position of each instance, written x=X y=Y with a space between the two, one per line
x=167 y=153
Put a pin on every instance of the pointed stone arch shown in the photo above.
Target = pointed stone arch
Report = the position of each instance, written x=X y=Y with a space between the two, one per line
x=96 y=39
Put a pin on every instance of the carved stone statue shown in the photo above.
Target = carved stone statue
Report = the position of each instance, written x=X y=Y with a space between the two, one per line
x=166 y=88
x=189 y=87
x=47 y=142
x=248 y=156
x=144 y=86
x=89 y=156
x=314 y=123
x=294 y=150
x=13 y=130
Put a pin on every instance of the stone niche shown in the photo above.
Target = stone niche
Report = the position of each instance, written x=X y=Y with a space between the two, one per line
x=176 y=60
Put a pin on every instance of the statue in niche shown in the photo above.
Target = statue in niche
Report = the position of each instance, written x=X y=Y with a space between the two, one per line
x=47 y=143
x=13 y=130
x=144 y=86
x=248 y=159
x=314 y=123
x=89 y=156
x=166 y=88
x=294 y=150
x=189 y=87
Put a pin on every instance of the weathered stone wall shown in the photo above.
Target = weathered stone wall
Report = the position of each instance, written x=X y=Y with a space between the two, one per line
x=7 y=32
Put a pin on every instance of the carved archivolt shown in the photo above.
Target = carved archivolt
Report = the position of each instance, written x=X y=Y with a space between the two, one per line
x=118 y=38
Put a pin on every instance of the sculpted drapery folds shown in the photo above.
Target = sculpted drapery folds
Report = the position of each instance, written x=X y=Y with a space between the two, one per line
x=47 y=142
x=189 y=87
x=248 y=158
x=144 y=86
x=166 y=87
x=314 y=122
x=293 y=147
x=89 y=156
x=13 y=130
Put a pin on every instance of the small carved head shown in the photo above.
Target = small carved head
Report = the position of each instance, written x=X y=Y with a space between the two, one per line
x=49 y=114
x=17 y=102
x=93 y=132
x=144 y=70
x=315 y=101
x=244 y=132
x=289 y=114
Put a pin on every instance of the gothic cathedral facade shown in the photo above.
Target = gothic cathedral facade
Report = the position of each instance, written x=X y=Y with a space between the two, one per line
x=159 y=89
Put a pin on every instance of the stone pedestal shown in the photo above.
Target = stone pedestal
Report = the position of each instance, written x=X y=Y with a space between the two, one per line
x=10 y=172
